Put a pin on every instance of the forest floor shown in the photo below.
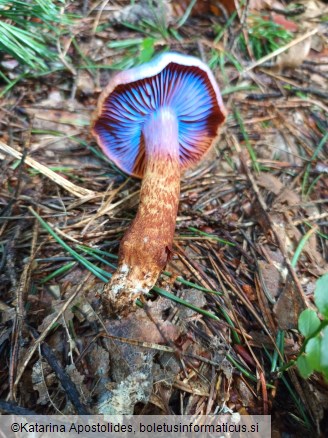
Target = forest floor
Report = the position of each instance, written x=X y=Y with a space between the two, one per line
x=251 y=233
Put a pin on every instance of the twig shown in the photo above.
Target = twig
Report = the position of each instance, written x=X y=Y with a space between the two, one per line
x=243 y=20
x=309 y=90
x=77 y=191
x=21 y=290
x=312 y=218
x=280 y=50
x=289 y=12
x=97 y=19
x=66 y=382
x=12 y=408
x=62 y=55
x=264 y=96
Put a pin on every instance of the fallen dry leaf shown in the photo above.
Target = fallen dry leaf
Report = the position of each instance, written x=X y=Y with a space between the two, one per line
x=288 y=196
x=78 y=379
x=289 y=25
x=204 y=7
x=270 y=182
x=143 y=11
x=42 y=377
x=313 y=9
x=295 y=56
x=270 y=279
x=289 y=306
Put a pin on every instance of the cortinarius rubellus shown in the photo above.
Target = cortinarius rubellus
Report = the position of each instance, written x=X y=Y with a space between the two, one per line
x=154 y=121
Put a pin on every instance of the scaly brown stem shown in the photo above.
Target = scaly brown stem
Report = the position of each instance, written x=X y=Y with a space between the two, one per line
x=147 y=245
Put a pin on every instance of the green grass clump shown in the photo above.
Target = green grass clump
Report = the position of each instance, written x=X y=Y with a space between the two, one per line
x=29 y=28
x=135 y=51
x=265 y=36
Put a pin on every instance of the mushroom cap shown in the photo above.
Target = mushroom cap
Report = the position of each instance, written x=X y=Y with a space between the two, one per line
x=182 y=83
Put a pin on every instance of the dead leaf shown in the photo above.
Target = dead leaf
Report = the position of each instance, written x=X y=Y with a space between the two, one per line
x=270 y=279
x=121 y=399
x=260 y=216
x=318 y=43
x=195 y=297
x=270 y=182
x=98 y=361
x=168 y=369
x=65 y=117
x=289 y=25
x=313 y=9
x=145 y=10
x=9 y=64
x=294 y=57
x=7 y=313
x=289 y=306
x=85 y=83
x=246 y=396
x=42 y=377
x=78 y=379
x=131 y=361
x=204 y=7
x=59 y=117
x=285 y=149
x=288 y=196
x=140 y=327
x=200 y=388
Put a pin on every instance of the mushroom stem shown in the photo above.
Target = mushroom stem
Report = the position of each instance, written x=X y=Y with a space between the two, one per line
x=147 y=245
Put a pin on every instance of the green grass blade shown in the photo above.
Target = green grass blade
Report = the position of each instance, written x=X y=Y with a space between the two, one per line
x=102 y=275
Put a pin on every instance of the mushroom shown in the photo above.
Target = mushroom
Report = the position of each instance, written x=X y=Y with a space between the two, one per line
x=154 y=121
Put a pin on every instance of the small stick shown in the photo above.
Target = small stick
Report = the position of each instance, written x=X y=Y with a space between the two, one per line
x=287 y=13
x=63 y=182
x=280 y=50
x=12 y=408
x=66 y=382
